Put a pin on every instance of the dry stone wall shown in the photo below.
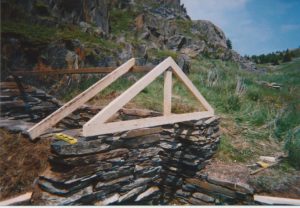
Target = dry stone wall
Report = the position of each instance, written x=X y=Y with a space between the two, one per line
x=159 y=165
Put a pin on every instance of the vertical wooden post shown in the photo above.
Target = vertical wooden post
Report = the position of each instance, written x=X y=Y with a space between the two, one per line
x=168 y=93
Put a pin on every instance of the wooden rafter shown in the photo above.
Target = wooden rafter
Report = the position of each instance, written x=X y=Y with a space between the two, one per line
x=98 y=124
x=79 y=100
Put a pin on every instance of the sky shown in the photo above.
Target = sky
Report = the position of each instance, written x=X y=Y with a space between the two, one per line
x=254 y=26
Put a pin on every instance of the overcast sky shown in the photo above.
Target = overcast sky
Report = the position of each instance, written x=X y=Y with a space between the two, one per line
x=254 y=26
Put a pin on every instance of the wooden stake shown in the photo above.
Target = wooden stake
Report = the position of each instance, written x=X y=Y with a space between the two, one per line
x=168 y=93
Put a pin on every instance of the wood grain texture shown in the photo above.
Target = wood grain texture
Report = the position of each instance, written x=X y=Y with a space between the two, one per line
x=168 y=93
x=107 y=128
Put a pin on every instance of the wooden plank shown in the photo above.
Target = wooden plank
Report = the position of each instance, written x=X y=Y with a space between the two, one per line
x=126 y=96
x=276 y=200
x=168 y=93
x=79 y=71
x=79 y=100
x=19 y=200
x=186 y=81
x=114 y=127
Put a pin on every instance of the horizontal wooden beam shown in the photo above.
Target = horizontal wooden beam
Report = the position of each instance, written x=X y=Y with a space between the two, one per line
x=78 y=71
x=107 y=128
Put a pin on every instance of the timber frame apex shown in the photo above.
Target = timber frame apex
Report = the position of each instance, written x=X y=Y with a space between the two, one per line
x=98 y=124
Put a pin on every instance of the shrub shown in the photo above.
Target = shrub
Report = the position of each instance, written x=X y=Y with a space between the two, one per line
x=229 y=43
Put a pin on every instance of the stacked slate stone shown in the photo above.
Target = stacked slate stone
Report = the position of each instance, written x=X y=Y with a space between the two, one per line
x=30 y=105
x=205 y=190
x=144 y=166
x=188 y=146
x=110 y=169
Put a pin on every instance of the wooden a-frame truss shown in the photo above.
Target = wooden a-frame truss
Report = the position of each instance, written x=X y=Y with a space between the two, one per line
x=97 y=125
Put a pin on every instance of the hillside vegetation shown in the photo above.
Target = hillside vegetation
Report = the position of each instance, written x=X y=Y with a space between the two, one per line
x=254 y=116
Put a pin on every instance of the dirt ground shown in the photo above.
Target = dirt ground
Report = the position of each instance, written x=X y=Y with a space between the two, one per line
x=21 y=163
x=279 y=181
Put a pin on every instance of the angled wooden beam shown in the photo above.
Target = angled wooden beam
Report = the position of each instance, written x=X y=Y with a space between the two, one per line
x=108 y=128
x=168 y=93
x=97 y=125
x=79 y=100
x=187 y=82
x=125 y=97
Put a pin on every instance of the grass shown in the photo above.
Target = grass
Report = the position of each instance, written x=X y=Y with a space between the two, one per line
x=162 y=54
x=121 y=21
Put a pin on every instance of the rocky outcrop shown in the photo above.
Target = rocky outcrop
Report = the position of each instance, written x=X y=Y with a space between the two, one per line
x=152 y=25
x=54 y=12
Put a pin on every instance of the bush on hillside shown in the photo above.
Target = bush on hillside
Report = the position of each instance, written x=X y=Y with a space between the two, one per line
x=229 y=43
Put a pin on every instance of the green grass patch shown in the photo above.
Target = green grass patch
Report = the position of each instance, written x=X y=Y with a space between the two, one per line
x=121 y=20
x=43 y=34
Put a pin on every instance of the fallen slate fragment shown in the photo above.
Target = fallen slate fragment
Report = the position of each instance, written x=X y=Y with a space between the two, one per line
x=148 y=193
x=132 y=193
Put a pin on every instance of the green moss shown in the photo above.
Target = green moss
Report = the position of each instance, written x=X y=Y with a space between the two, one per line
x=37 y=33
x=162 y=54
x=121 y=20
x=184 y=26
x=43 y=34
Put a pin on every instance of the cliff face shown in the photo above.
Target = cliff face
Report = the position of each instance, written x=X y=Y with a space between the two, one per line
x=71 y=34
